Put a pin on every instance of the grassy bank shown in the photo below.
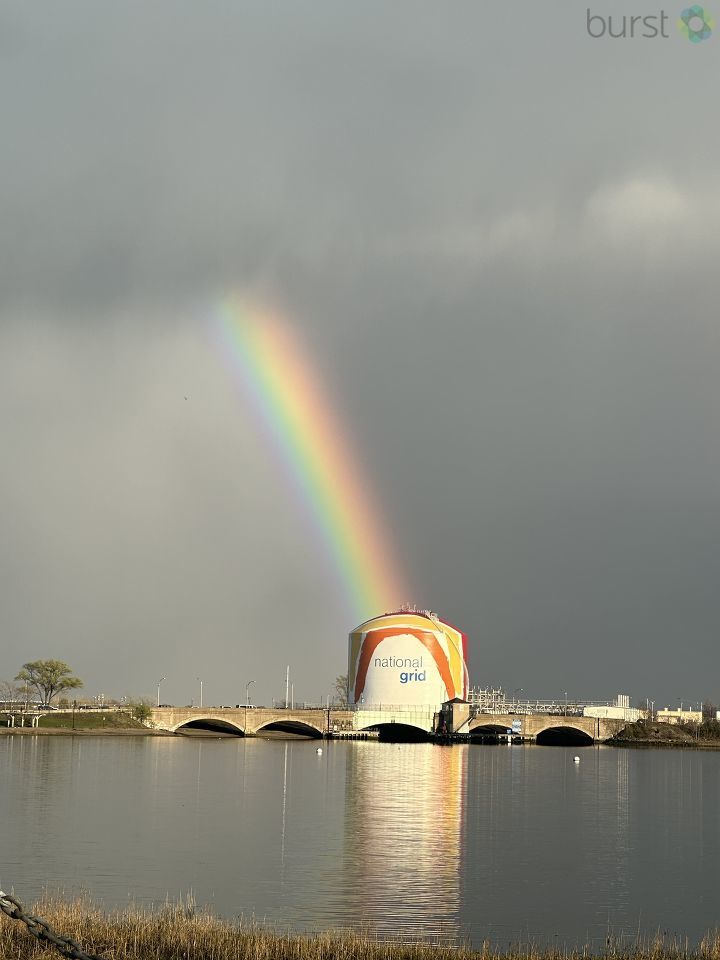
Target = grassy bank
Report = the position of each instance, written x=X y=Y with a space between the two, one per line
x=86 y=721
x=180 y=933
x=90 y=720
x=706 y=734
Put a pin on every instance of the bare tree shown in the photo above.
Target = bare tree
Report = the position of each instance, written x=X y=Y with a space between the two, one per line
x=341 y=690
x=10 y=692
x=709 y=709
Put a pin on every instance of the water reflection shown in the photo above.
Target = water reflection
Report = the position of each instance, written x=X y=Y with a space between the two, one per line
x=284 y=806
x=478 y=842
x=403 y=838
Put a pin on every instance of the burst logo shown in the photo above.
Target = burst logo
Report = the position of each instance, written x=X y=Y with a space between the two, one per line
x=696 y=24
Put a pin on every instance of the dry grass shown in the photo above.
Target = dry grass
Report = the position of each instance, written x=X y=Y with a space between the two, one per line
x=182 y=933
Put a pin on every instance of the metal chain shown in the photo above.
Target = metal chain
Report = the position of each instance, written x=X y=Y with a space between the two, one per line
x=42 y=930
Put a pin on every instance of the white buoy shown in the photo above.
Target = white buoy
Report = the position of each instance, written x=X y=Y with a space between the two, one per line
x=576 y=759
x=319 y=751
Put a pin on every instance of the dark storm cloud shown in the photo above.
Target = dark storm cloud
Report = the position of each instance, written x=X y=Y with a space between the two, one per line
x=500 y=244
x=154 y=155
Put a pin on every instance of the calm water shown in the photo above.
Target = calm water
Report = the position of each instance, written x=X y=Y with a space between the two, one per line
x=468 y=842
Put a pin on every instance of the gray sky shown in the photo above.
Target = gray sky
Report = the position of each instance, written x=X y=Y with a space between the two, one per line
x=498 y=238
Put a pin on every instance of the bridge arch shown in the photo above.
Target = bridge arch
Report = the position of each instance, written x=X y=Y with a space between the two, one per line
x=392 y=732
x=298 y=728
x=487 y=731
x=564 y=735
x=209 y=725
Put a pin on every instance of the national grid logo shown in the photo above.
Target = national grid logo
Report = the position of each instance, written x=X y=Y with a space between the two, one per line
x=695 y=23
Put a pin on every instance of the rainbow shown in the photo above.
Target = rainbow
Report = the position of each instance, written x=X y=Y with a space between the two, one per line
x=287 y=392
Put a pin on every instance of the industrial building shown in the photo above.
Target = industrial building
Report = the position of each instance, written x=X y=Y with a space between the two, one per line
x=407 y=657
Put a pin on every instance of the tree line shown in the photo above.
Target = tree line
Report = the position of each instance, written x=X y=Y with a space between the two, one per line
x=50 y=678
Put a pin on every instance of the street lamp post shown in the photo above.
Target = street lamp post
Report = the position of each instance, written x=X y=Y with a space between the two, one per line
x=247 y=693
x=158 y=688
x=201 y=692
x=565 y=702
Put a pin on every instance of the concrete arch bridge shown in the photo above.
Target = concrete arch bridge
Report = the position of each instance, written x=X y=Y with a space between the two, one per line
x=389 y=722
x=328 y=722
x=545 y=728
x=253 y=721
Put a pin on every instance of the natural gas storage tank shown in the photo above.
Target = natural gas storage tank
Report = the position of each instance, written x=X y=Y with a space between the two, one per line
x=407 y=657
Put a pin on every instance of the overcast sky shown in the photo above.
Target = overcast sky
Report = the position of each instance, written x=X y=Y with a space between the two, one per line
x=497 y=237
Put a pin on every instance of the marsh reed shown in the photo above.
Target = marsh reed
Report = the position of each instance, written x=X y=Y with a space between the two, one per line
x=182 y=932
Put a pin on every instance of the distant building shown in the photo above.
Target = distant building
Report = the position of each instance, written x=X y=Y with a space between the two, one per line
x=678 y=716
x=612 y=712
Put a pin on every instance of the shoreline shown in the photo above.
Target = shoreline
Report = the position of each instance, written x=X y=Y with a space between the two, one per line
x=648 y=733
x=183 y=930
x=678 y=744
x=79 y=732
x=641 y=743
x=643 y=733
